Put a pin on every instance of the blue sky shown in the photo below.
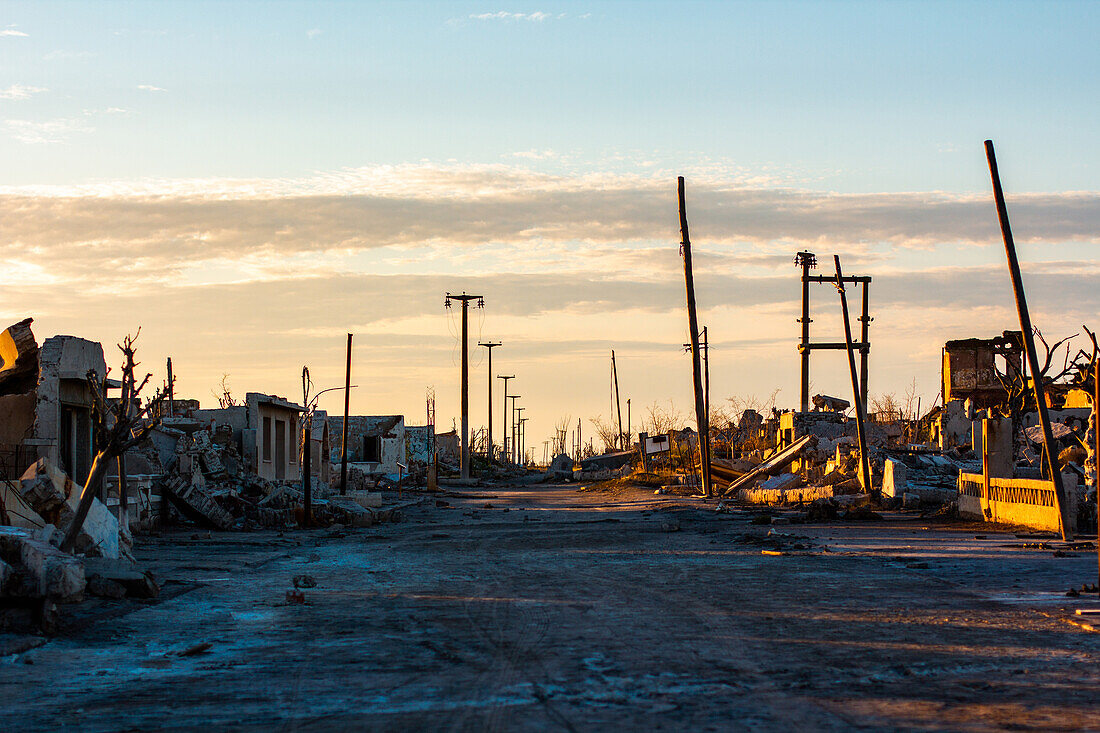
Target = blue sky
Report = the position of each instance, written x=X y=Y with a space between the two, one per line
x=844 y=96
x=271 y=175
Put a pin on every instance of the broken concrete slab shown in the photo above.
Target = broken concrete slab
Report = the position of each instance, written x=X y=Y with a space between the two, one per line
x=351 y=512
x=56 y=497
x=48 y=572
x=782 y=482
x=103 y=588
x=893 y=478
x=20 y=511
x=367 y=499
x=195 y=504
x=789 y=496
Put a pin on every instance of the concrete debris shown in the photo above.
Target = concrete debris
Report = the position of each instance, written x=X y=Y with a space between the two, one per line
x=304 y=581
x=562 y=465
x=55 y=498
x=38 y=569
x=783 y=482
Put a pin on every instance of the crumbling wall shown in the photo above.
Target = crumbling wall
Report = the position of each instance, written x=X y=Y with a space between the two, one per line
x=16 y=417
x=418 y=443
x=388 y=429
x=64 y=363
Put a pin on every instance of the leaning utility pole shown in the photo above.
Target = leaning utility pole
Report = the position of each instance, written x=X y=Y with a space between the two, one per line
x=465 y=300
x=864 y=459
x=344 y=427
x=701 y=417
x=489 y=435
x=503 y=413
x=618 y=405
x=1029 y=344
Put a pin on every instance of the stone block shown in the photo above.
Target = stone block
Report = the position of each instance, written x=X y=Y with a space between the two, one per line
x=893 y=478
x=48 y=571
x=783 y=482
x=367 y=499
x=351 y=512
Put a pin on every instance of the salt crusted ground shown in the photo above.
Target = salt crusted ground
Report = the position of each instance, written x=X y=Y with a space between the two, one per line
x=553 y=608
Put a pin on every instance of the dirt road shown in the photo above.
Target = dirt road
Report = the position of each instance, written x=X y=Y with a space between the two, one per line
x=550 y=608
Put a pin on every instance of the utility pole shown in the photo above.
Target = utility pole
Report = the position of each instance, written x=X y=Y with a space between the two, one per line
x=706 y=370
x=629 y=432
x=489 y=435
x=701 y=417
x=512 y=429
x=307 y=446
x=546 y=452
x=465 y=300
x=519 y=435
x=503 y=413
x=865 y=349
x=523 y=439
x=864 y=459
x=706 y=377
x=618 y=406
x=171 y=391
x=344 y=427
x=808 y=261
x=1029 y=343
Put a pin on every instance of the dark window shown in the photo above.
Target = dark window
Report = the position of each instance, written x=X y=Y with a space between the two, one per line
x=267 y=439
x=372 y=448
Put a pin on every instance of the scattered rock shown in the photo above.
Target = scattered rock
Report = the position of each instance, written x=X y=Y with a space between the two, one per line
x=195 y=650
x=104 y=588
x=304 y=581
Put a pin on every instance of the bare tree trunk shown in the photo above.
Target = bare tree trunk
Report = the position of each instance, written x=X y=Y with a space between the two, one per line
x=87 y=496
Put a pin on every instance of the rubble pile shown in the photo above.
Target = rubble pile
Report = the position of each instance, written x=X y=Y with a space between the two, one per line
x=205 y=484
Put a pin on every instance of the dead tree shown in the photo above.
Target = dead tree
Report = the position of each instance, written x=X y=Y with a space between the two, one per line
x=1075 y=370
x=118 y=427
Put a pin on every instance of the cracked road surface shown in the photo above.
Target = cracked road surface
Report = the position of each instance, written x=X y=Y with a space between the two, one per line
x=550 y=608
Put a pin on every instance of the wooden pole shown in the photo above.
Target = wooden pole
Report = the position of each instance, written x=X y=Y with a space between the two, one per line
x=1096 y=455
x=307 y=456
x=865 y=337
x=171 y=391
x=490 y=345
x=864 y=459
x=1029 y=343
x=706 y=375
x=701 y=417
x=618 y=405
x=806 y=259
x=344 y=427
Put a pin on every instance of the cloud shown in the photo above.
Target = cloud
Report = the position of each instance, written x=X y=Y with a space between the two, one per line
x=11 y=32
x=424 y=218
x=47 y=132
x=150 y=88
x=313 y=33
x=535 y=154
x=20 y=91
x=537 y=16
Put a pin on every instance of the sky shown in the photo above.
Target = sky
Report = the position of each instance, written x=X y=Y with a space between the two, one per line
x=248 y=182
